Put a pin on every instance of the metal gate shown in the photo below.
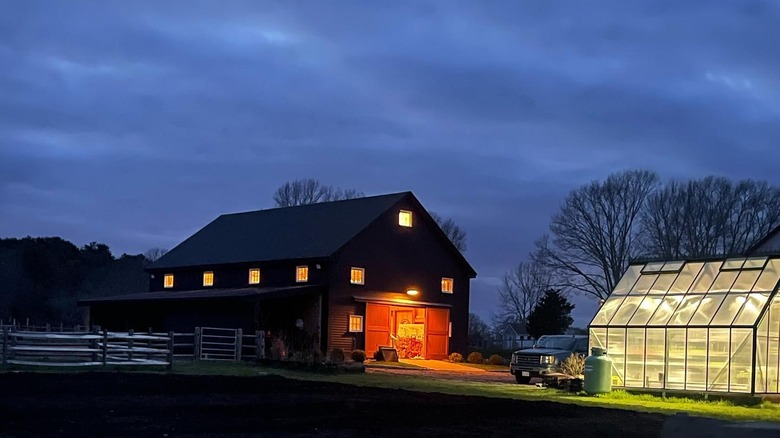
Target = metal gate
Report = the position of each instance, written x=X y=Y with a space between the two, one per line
x=219 y=344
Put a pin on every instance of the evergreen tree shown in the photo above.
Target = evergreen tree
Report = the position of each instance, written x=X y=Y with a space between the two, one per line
x=551 y=315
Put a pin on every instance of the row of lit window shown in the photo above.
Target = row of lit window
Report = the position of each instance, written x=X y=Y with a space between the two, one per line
x=356 y=276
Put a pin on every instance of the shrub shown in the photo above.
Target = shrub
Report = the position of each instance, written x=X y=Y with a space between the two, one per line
x=574 y=365
x=378 y=355
x=475 y=357
x=359 y=355
x=456 y=357
x=495 y=359
x=337 y=355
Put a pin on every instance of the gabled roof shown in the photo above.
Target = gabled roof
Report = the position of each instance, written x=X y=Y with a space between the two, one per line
x=203 y=294
x=517 y=328
x=301 y=232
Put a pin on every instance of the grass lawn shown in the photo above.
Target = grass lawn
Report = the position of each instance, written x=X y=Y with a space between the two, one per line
x=486 y=367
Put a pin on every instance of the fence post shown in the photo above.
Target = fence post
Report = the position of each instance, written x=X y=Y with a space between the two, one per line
x=239 y=343
x=196 y=344
x=170 y=351
x=149 y=343
x=93 y=344
x=260 y=344
x=5 y=346
x=105 y=348
x=130 y=346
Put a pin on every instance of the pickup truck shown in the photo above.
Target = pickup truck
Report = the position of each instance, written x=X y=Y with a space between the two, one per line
x=546 y=354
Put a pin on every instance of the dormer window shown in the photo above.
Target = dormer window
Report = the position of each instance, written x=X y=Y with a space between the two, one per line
x=208 y=278
x=405 y=218
x=168 y=281
x=446 y=285
x=357 y=276
x=254 y=276
x=301 y=274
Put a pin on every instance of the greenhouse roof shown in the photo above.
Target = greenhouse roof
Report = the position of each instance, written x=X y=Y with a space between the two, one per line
x=716 y=293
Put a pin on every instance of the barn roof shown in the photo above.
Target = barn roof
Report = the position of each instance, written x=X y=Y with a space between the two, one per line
x=302 y=232
x=261 y=292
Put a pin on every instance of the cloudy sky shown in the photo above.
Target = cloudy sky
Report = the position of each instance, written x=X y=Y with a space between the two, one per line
x=136 y=123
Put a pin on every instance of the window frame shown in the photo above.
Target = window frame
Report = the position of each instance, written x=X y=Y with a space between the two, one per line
x=402 y=215
x=259 y=275
x=362 y=280
x=349 y=323
x=302 y=278
x=167 y=285
x=205 y=275
x=448 y=281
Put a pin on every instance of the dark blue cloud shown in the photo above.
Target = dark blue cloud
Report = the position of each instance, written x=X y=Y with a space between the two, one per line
x=135 y=123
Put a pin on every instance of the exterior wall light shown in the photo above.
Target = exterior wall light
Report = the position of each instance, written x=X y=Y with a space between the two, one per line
x=412 y=292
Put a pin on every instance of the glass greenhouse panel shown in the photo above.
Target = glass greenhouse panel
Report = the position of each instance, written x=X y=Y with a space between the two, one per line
x=626 y=311
x=684 y=281
x=645 y=311
x=746 y=281
x=685 y=310
x=665 y=310
x=754 y=263
x=696 y=360
x=655 y=358
x=607 y=310
x=733 y=264
x=674 y=266
x=718 y=360
x=653 y=267
x=767 y=282
x=741 y=372
x=597 y=338
x=629 y=278
x=729 y=309
x=707 y=277
x=723 y=282
x=760 y=369
x=662 y=284
x=635 y=357
x=675 y=354
x=773 y=356
x=753 y=307
x=707 y=309
x=616 y=342
x=643 y=285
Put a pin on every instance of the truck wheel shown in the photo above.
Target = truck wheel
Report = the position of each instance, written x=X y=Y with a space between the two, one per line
x=521 y=379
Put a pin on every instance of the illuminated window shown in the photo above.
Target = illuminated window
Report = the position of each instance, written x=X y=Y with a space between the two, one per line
x=302 y=274
x=355 y=324
x=168 y=281
x=208 y=278
x=357 y=276
x=254 y=276
x=405 y=218
x=446 y=285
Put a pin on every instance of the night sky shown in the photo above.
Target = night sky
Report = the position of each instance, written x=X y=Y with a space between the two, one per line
x=136 y=123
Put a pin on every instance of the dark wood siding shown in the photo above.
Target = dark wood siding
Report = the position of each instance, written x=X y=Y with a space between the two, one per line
x=396 y=258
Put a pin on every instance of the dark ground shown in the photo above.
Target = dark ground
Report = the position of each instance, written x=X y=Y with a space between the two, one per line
x=114 y=404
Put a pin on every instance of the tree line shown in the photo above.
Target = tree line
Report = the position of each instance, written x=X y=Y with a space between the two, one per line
x=603 y=225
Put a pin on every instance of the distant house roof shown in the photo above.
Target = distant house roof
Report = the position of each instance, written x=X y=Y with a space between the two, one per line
x=517 y=328
x=307 y=231
x=262 y=292
x=288 y=233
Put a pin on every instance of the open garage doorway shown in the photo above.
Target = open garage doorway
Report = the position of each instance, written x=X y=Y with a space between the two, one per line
x=416 y=332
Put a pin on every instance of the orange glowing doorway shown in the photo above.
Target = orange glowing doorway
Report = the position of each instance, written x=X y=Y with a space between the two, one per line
x=407 y=331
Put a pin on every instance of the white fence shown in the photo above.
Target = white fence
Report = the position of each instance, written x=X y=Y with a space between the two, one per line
x=62 y=349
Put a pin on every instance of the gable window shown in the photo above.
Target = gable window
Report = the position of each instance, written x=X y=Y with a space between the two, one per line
x=357 y=276
x=355 y=324
x=254 y=276
x=208 y=278
x=446 y=285
x=405 y=218
x=301 y=274
x=168 y=281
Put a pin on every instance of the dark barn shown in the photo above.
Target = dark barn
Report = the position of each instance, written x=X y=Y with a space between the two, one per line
x=353 y=274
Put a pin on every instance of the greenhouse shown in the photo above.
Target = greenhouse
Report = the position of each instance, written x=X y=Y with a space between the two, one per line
x=701 y=326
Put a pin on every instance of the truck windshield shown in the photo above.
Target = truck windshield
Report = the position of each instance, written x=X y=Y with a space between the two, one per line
x=556 y=343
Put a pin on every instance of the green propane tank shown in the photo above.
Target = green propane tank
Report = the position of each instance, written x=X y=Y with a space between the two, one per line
x=598 y=372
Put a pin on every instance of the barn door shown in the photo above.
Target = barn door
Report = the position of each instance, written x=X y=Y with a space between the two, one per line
x=377 y=327
x=437 y=333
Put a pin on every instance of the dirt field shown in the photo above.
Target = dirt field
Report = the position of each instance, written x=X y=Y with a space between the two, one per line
x=113 y=404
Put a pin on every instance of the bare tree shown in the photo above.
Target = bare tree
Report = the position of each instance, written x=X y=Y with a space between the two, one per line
x=154 y=253
x=478 y=332
x=593 y=236
x=708 y=217
x=520 y=290
x=310 y=191
x=456 y=234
